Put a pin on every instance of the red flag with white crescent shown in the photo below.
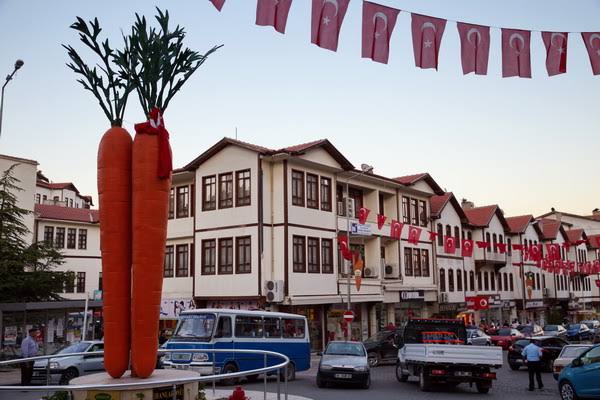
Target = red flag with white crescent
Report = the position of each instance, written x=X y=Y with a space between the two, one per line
x=380 y=221
x=482 y=245
x=218 y=4
x=501 y=247
x=517 y=247
x=344 y=247
x=592 y=44
x=553 y=250
x=427 y=35
x=377 y=27
x=432 y=235
x=516 y=53
x=474 y=48
x=273 y=13
x=449 y=245
x=396 y=229
x=556 y=52
x=363 y=213
x=414 y=235
x=467 y=248
x=326 y=22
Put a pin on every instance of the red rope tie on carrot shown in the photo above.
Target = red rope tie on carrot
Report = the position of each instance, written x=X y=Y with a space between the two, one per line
x=156 y=126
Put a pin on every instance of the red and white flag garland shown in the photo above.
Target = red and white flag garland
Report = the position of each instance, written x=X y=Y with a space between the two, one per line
x=377 y=27
x=326 y=22
x=516 y=53
x=273 y=13
x=427 y=35
x=474 y=48
x=556 y=52
x=592 y=44
x=218 y=4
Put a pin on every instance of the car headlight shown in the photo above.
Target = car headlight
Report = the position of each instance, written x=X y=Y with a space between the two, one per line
x=166 y=357
x=200 y=357
x=360 y=368
x=54 y=365
x=326 y=367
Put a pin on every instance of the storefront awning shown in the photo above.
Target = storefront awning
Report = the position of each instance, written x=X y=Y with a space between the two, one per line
x=333 y=299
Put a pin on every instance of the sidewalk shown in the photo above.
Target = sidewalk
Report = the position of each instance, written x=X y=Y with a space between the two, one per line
x=9 y=377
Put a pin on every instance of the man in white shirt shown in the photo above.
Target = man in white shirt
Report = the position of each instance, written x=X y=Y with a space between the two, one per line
x=533 y=358
x=29 y=348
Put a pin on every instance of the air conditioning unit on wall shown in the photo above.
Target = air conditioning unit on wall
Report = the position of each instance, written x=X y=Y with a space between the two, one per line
x=390 y=270
x=274 y=291
x=371 y=272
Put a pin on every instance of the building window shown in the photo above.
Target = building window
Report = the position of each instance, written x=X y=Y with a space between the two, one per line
x=71 y=233
x=499 y=276
x=414 y=212
x=537 y=280
x=168 y=269
x=509 y=246
x=81 y=282
x=416 y=262
x=312 y=191
x=313 y=255
x=457 y=237
x=442 y=280
x=405 y=210
x=208 y=256
x=44 y=198
x=440 y=234
x=172 y=203
x=424 y=262
x=450 y=280
x=243 y=256
x=505 y=281
x=183 y=202
x=299 y=253
x=325 y=194
x=423 y=212
x=492 y=281
x=209 y=193
x=469 y=235
x=512 y=283
x=49 y=235
x=70 y=285
x=298 y=188
x=381 y=204
x=59 y=243
x=495 y=243
x=225 y=256
x=70 y=202
x=471 y=281
x=448 y=231
x=82 y=245
x=226 y=190
x=327 y=255
x=486 y=282
x=408 y=269
x=243 y=191
x=488 y=239
x=100 y=281
x=459 y=285
x=38 y=198
x=479 y=282
x=182 y=260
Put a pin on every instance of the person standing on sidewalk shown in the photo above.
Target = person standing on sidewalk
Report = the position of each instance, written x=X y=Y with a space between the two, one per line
x=29 y=348
x=533 y=359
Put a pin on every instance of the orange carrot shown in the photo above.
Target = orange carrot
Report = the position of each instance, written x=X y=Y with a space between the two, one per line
x=114 y=196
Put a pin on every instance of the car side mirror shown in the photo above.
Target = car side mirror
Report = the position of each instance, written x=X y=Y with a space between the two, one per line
x=577 y=362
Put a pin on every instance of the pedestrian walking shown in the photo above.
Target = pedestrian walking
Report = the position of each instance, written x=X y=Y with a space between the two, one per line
x=29 y=348
x=533 y=359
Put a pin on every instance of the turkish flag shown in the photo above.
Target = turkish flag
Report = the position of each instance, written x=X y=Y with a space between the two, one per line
x=427 y=37
x=414 y=235
x=556 y=52
x=377 y=27
x=380 y=221
x=535 y=252
x=432 y=235
x=449 y=245
x=598 y=282
x=344 y=248
x=516 y=53
x=482 y=245
x=553 y=250
x=327 y=18
x=566 y=245
x=501 y=247
x=592 y=44
x=218 y=4
x=273 y=13
x=363 y=213
x=467 y=248
x=474 y=47
x=396 y=229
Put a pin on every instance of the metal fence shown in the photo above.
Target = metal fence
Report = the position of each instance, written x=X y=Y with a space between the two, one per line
x=212 y=379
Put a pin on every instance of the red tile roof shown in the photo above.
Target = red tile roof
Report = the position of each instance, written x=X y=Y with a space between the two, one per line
x=437 y=203
x=549 y=228
x=594 y=241
x=519 y=223
x=481 y=216
x=588 y=217
x=594 y=217
x=67 y=213
x=574 y=235
x=303 y=146
x=57 y=186
x=409 y=180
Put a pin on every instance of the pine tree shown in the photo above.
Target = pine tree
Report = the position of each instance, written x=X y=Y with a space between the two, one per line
x=26 y=270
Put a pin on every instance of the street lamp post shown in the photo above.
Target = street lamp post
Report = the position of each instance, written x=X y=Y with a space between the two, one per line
x=365 y=169
x=18 y=64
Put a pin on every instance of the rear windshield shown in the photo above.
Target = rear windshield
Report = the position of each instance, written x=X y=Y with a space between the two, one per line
x=417 y=331
x=551 y=328
x=573 y=352
x=522 y=343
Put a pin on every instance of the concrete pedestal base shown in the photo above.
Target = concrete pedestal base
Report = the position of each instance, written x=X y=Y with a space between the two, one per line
x=149 y=391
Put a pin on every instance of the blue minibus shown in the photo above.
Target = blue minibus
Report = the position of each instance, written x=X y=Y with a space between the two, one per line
x=229 y=329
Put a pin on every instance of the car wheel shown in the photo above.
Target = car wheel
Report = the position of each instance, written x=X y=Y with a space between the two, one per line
x=483 y=387
x=366 y=384
x=374 y=359
x=567 y=392
x=229 y=369
x=400 y=376
x=291 y=372
x=320 y=382
x=423 y=381
x=69 y=374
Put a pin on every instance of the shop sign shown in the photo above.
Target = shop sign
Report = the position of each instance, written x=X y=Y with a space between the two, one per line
x=171 y=308
x=478 y=303
x=360 y=230
x=452 y=307
x=10 y=335
x=166 y=393
x=412 y=295
x=234 y=305
x=534 y=304
x=97 y=295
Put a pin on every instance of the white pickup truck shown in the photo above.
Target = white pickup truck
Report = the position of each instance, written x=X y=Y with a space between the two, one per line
x=432 y=349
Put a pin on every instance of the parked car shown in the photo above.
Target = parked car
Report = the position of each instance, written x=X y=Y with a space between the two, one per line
x=594 y=325
x=506 y=337
x=579 y=332
x=568 y=354
x=477 y=337
x=551 y=348
x=580 y=378
x=530 y=330
x=382 y=347
x=63 y=369
x=555 y=330
x=344 y=362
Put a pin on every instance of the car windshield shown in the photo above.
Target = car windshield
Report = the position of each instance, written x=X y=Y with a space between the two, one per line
x=573 y=352
x=504 y=332
x=74 y=348
x=378 y=337
x=551 y=328
x=345 y=349
x=575 y=326
x=521 y=343
x=198 y=326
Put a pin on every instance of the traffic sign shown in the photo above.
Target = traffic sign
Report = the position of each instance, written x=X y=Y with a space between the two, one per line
x=348 y=316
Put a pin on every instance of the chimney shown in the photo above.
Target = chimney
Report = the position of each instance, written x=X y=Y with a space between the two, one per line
x=596 y=212
x=466 y=204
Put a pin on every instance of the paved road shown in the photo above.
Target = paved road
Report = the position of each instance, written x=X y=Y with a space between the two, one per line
x=510 y=385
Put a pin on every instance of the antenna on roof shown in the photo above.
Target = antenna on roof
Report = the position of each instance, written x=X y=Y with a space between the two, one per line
x=236 y=133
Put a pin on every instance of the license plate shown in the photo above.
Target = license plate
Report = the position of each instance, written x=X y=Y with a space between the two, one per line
x=342 y=376
x=463 y=373
x=181 y=366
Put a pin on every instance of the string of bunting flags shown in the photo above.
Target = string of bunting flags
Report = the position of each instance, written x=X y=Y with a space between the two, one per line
x=378 y=22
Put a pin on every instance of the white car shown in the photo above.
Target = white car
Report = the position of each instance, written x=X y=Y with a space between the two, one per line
x=63 y=369
x=477 y=337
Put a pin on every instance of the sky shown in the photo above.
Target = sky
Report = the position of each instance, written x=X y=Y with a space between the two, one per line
x=525 y=144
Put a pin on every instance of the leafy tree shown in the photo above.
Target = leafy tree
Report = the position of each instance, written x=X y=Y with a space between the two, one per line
x=27 y=270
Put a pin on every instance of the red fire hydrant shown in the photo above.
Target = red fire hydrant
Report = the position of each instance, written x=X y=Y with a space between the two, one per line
x=238 y=394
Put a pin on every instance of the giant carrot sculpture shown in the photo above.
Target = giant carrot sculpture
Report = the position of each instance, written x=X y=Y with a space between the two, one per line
x=114 y=194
